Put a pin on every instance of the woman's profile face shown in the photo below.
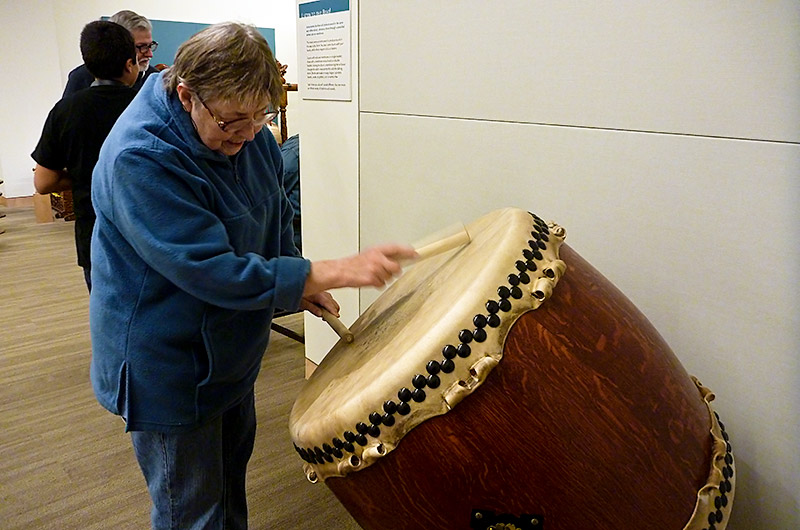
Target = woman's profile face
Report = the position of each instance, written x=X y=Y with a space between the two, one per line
x=241 y=123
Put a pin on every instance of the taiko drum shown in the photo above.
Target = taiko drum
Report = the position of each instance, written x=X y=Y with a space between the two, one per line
x=508 y=385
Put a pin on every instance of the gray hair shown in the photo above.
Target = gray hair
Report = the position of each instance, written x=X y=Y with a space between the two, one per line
x=227 y=62
x=130 y=20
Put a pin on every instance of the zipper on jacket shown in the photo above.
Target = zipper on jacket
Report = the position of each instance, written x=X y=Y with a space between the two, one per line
x=235 y=163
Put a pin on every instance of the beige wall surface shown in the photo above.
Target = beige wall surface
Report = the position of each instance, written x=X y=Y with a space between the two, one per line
x=663 y=136
x=31 y=84
x=715 y=68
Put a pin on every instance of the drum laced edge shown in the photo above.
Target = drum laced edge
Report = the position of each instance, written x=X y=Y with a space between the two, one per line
x=715 y=498
x=536 y=273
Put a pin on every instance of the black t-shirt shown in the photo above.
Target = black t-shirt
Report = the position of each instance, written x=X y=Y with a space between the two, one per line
x=80 y=78
x=71 y=139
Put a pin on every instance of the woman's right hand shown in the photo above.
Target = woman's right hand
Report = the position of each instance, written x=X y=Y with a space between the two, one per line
x=373 y=267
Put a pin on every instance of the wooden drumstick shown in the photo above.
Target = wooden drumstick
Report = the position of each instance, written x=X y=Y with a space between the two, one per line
x=337 y=326
x=443 y=245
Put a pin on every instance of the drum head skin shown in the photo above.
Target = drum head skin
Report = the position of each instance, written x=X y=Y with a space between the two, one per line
x=561 y=407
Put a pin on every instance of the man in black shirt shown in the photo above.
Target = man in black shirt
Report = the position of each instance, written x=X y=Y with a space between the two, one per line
x=142 y=33
x=78 y=124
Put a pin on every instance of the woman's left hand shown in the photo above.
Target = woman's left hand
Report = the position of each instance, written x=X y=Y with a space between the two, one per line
x=314 y=302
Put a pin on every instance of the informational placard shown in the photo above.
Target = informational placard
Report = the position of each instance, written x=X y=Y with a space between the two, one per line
x=323 y=51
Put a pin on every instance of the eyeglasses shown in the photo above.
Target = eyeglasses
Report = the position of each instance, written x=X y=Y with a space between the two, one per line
x=241 y=124
x=153 y=46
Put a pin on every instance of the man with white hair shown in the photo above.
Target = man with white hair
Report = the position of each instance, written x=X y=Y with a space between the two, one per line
x=142 y=32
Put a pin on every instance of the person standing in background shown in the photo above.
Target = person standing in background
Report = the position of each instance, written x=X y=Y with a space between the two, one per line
x=79 y=123
x=290 y=150
x=142 y=32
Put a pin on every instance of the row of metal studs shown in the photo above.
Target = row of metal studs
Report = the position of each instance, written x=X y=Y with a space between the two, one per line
x=537 y=243
x=725 y=487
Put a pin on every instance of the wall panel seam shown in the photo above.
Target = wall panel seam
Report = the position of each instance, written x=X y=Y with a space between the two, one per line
x=584 y=127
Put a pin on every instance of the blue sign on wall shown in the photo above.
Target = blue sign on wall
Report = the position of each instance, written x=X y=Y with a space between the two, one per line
x=170 y=35
x=323 y=7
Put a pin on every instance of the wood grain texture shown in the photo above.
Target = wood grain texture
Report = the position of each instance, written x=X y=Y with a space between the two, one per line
x=589 y=420
x=65 y=463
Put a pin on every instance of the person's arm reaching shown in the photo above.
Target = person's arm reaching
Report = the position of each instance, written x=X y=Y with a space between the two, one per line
x=371 y=268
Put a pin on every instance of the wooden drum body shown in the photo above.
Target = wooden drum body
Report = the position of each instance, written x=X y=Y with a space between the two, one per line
x=512 y=403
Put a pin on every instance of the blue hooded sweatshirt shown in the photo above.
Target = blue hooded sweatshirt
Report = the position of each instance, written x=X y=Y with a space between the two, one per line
x=192 y=252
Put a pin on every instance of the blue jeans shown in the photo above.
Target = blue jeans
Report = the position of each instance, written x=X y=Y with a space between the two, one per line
x=196 y=479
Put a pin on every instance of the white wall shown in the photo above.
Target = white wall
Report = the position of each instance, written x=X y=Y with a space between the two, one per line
x=44 y=35
x=329 y=188
x=30 y=85
x=727 y=69
x=665 y=137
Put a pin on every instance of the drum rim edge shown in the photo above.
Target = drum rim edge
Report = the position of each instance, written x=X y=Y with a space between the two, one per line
x=715 y=498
